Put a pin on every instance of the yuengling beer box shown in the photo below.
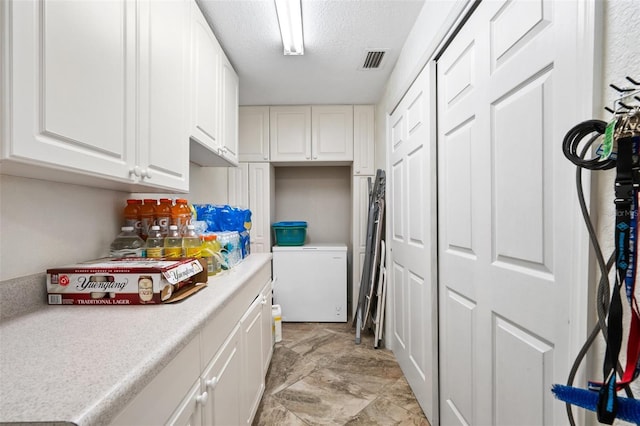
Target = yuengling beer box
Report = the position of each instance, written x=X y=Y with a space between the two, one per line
x=126 y=281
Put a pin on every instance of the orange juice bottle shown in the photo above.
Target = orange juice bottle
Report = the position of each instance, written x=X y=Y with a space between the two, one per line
x=147 y=217
x=163 y=215
x=181 y=215
x=132 y=214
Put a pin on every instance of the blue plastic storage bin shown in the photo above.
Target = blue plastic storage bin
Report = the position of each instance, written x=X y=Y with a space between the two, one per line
x=290 y=233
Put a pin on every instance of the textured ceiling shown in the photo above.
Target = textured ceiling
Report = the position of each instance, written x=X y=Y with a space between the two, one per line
x=337 y=34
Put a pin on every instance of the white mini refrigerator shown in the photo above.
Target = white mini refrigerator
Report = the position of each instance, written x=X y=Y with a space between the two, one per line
x=310 y=282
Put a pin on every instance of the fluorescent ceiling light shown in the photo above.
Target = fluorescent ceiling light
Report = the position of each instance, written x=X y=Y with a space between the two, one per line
x=290 y=20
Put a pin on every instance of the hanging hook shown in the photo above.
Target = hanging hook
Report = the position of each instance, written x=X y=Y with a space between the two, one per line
x=621 y=89
x=633 y=81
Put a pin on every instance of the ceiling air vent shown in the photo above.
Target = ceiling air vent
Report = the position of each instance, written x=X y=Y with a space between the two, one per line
x=373 y=59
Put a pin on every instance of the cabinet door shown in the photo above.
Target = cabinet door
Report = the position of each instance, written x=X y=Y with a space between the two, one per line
x=164 y=397
x=332 y=133
x=238 y=187
x=221 y=380
x=163 y=92
x=71 y=77
x=267 y=328
x=229 y=113
x=290 y=131
x=206 y=51
x=253 y=376
x=363 y=140
x=261 y=191
x=253 y=137
x=189 y=412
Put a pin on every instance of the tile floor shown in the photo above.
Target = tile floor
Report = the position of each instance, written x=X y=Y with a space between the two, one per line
x=319 y=376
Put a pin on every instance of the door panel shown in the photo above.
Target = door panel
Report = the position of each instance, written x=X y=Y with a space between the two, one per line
x=507 y=243
x=412 y=258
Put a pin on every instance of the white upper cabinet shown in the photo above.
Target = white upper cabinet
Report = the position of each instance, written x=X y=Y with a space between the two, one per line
x=70 y=100
x=363 y=140
x=72 y=97
x=290 y=131
x=332 y=133
x=229 y=113
x=253 y=134
x=214 y=99
x=164 y=92
x=318 y=133
x=206 y=54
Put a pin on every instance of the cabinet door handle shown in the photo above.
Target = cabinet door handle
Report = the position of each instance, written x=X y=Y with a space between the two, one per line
x=135 y=171
x=211 y=384
x=315 y=157
x=146 y=173
x=264 y=299
x=202 y=399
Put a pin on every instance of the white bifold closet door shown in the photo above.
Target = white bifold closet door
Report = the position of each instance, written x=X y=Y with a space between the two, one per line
x=512 y=249
x=411 y=269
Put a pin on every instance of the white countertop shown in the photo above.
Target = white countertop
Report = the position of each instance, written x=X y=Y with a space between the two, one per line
x=83 y=364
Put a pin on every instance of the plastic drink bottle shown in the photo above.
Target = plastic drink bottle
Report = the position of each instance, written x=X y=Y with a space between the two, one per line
x=191 y=243
x=155 y=243
x=163 y=215
x=132 y=214
x=215 y=244
x=173 y=243
x=181 y=215
x=147 y=216
x=127 y=244
x=210 y=251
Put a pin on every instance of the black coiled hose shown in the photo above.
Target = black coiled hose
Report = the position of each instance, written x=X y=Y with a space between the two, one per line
x=575 y=136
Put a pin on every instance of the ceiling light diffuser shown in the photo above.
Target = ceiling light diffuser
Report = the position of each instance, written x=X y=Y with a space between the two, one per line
x=290 y=20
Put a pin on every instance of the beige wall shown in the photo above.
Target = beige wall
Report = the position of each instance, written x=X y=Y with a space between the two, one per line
x=431 y=26
x=621 y=57
x=321 y=196
x=46 y=224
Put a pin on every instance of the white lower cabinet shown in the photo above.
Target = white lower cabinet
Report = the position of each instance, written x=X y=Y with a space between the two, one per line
x=189 y=412
x=219 y=377
x=169 y=397
x=267 y=326
x=252 y=377
x=220 y=381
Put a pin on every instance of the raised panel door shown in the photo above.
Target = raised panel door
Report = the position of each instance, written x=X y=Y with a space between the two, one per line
x=261 y=191
x=164 y=30
x=221 y=380
x=189 y=412
x=206 y=96
x=238 y=186
x=253 y=134
x=290 y=133
x=229 y=113
x=412 y=222
x=363 y=140
x=72 y=97
x=511 y=253
x=252 y=379
x=267 y=329
x=332 y=133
